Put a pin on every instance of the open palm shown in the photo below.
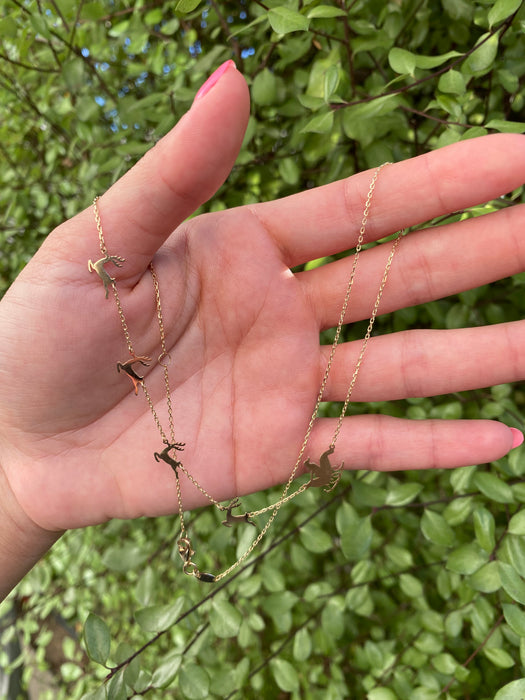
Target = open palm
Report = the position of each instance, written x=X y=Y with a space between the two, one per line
x=77 y=445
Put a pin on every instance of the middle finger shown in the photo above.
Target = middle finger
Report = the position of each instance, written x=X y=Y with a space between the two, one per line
x=429 y=264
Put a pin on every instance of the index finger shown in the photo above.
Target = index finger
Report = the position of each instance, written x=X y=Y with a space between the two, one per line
x=326 y=220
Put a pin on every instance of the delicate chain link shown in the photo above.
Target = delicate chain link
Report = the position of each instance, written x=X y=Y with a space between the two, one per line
x=335 y=343
x=164 y=357
x=366 y=339
x=104 y=252
x=285 y=497
x=184 y=544
x=98 y=221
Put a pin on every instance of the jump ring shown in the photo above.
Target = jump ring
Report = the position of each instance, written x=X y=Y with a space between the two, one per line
x=162 y=357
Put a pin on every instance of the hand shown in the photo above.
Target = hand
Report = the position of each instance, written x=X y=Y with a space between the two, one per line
x=77 y=445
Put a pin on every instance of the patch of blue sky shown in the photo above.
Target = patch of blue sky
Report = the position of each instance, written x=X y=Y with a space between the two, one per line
x=141 y=78
x=195 y=49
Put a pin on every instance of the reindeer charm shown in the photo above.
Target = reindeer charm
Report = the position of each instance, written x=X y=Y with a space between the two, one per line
x=98 y=267
x=165 y=454
x=323 y=474
x=128 y=369
x=234 y=519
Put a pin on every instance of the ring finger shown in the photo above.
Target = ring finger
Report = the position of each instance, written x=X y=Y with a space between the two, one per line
x=421 y=363
x=429 y=264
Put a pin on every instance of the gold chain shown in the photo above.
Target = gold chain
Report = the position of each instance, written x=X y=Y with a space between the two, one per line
x=323 y=474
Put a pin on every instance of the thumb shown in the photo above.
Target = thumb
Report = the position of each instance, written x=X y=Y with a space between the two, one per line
x=182 y=171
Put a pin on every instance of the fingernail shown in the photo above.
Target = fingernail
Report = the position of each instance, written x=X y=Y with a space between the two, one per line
x=518 y=437
x=214 y=78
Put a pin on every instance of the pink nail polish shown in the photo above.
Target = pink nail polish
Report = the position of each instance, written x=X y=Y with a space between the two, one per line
x=518 y=437
x=214 y=78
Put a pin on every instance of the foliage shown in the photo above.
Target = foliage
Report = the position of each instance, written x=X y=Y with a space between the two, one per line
x=398 y=585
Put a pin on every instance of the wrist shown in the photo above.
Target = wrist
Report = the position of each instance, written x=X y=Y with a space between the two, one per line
x=22 y=541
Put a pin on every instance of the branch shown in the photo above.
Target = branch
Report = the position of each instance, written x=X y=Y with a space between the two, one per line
x=475 y=652
x=227 y=582
x=28 y=66
x=406 y=88
x=226 y=30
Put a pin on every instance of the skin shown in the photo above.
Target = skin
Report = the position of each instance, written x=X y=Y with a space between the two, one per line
x=76 y=444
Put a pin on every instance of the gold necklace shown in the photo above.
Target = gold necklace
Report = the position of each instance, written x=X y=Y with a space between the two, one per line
x=322 y=474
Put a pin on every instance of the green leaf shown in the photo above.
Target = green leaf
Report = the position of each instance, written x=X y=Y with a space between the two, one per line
x=457 y=316
x=70 y=672
x=485 y=527
x=355 y=543
x=117 y=688
x=320 y=124
x=283 y=20
x=482 y=58
x=185 y=6
x=467 y=559
x=166 y=669
x=517 y=523
x=486 y=579
x=402 y=494
x=381 y=694
x=332 y=617
x=452 y=81
x=506 y=127
x=157 y=618
x=314 y=539
x=514 y=548
x=512 y=583
x=512 y=691
x=445 y=663
x=436 y=529
x=325 y=12
x=359 y=601
x=453 y=624
x=508 y=80
x=74 y=74
x=289 y=171
x=411 y=586
x=124 y=557
x=493 y=487
x=501 y=10
x=98 y=694
x=8 y=28
x=146 y=586
x=364 y=494
x=97 y=638
x=40 y=25
x=225 y=619
x=264 y=88
x=515 y=618
x=331 y=81
x=398 y=557
x=403 y=61
x=302 y=645
x=359 y=120
x=499 y=657
x=278 y=606
x=285 y=675
x=459 y=9
x=458 y=511
x=194 y=682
